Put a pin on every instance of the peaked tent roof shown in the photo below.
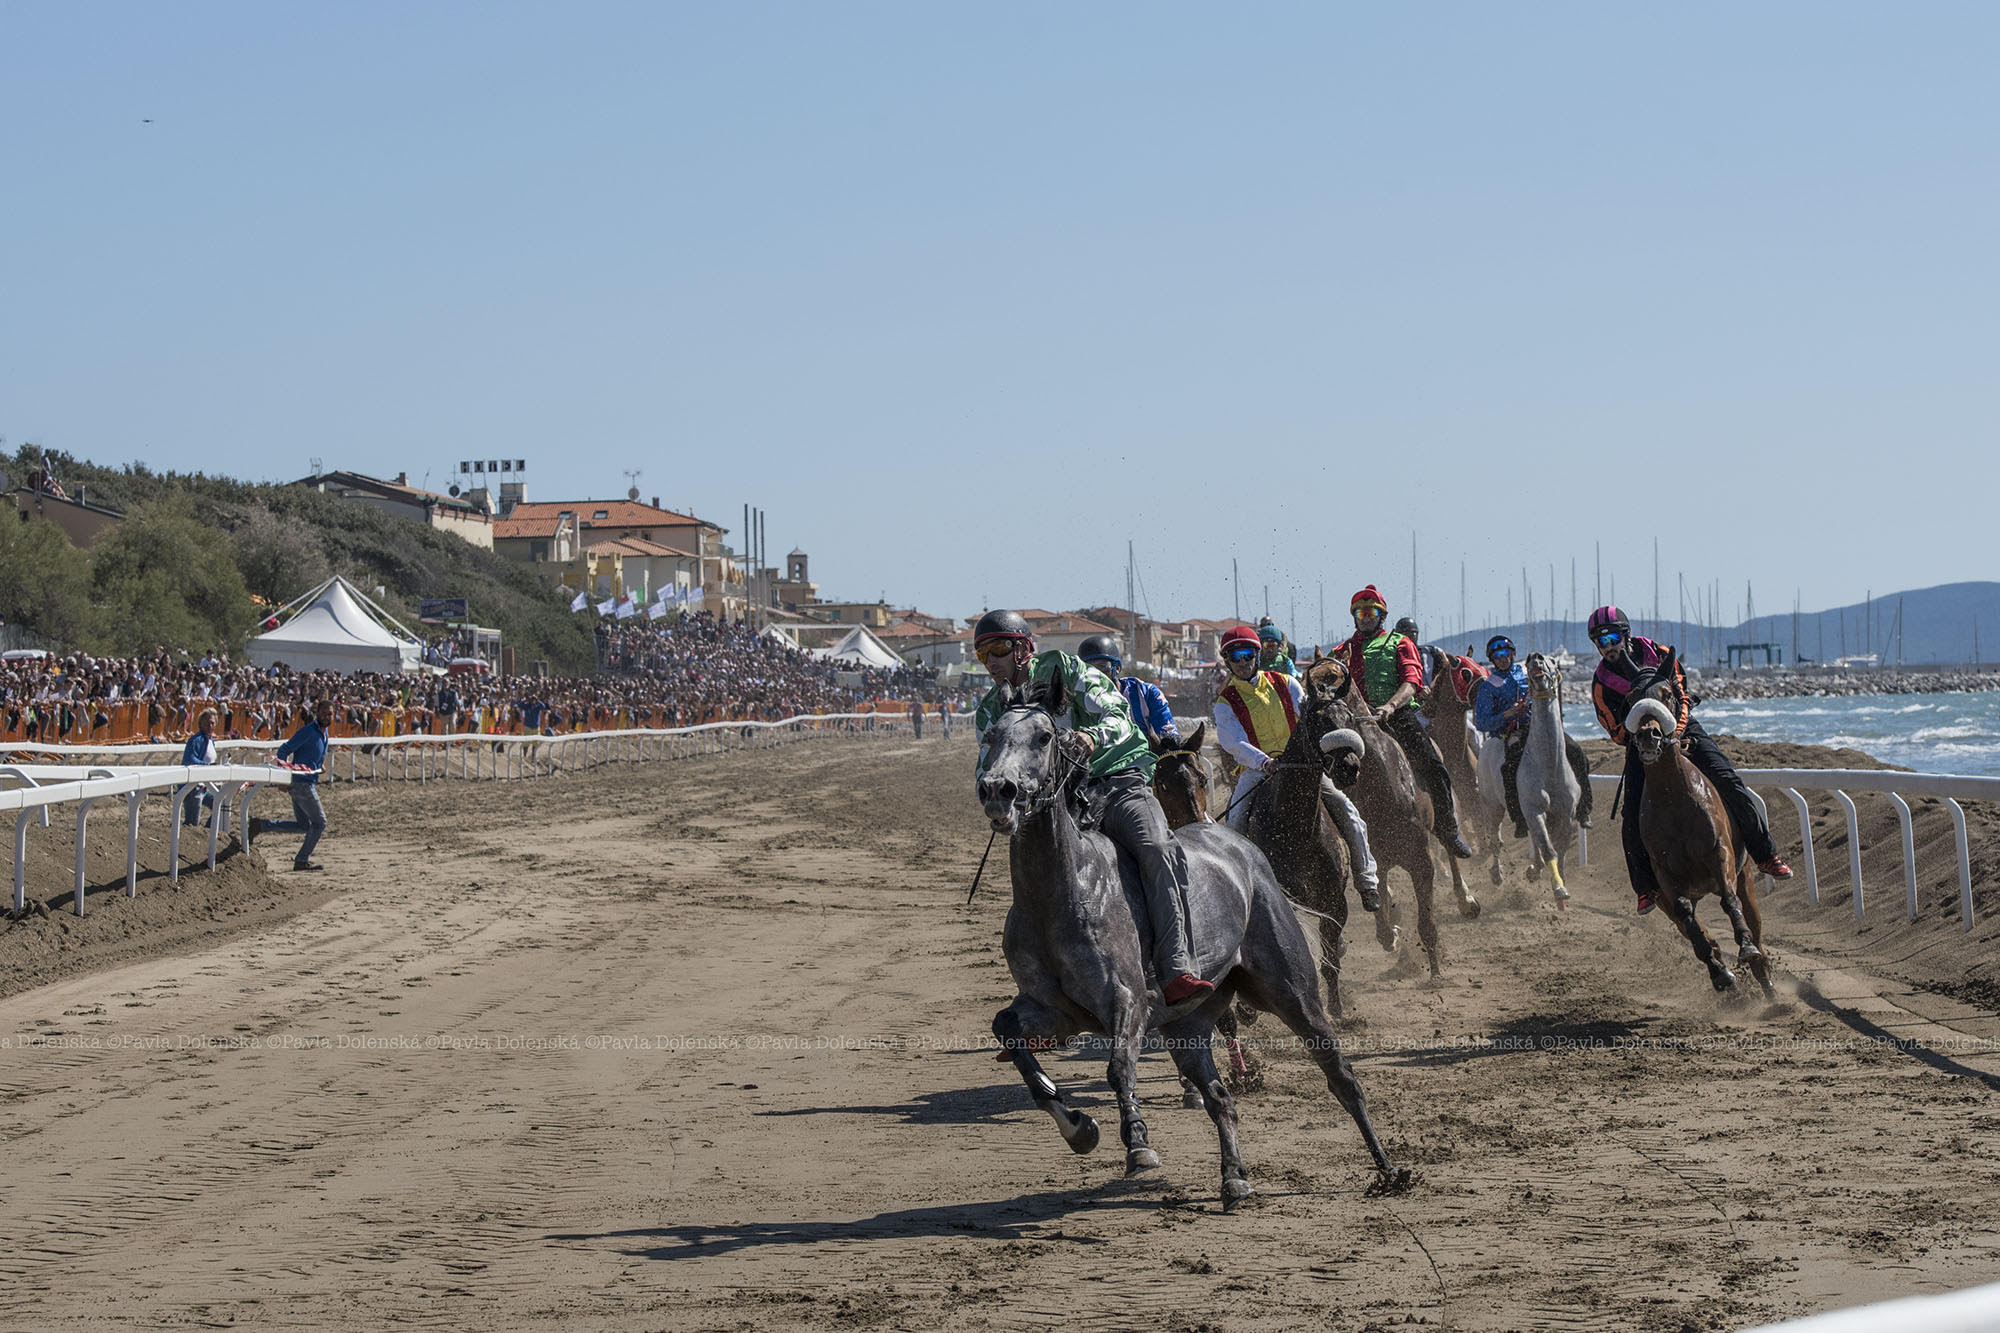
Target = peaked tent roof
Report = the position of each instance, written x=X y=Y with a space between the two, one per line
x=861 y=648
x=335 y=632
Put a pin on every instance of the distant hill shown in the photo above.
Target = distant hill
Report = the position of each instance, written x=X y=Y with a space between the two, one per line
x=1936 y=628
x=284 y=539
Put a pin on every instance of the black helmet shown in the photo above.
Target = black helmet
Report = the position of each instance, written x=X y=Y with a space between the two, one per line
x=1001 y=625
x=1100 y=646
x=1496 y=643
x=1407 y=628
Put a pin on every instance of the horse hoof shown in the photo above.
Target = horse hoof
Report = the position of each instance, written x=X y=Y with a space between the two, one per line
x=1085 y=1138
x=1496 y=875
x=1469 y=909
x=1396 y=1180
x=1748 y=954
x=1562 y=898
x=1141 y=1159
x=1190 y=1099
x=1392 y=940
x=1723 y=980
x=1534 y=872
x=1235 y=1192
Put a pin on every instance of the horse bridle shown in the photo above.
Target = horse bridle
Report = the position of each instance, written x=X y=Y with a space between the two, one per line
x=1062 y=766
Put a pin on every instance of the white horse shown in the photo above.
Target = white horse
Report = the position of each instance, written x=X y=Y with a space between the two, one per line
x=1547 y=785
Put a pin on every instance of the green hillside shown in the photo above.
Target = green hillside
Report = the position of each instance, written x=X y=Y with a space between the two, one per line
x=194 y=548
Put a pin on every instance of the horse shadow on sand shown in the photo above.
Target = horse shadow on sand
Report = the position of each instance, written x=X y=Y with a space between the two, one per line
x=1530 y=1034
x=1024 y=1217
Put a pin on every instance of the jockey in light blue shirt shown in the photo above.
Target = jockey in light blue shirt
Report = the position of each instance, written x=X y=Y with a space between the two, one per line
x=1148 y=705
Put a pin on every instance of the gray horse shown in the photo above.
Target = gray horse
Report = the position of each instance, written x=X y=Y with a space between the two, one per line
x=1547 y=781
x=1074 y=947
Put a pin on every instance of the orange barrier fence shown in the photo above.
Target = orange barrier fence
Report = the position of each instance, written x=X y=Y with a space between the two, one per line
x=140 y=721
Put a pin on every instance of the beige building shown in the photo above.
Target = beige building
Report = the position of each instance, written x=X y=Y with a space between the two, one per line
x=466 y=517
x=558 y=535
x=83 y=523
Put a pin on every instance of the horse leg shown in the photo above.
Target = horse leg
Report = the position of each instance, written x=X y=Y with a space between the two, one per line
x=1015 y=1026
x=1288 y=993
x=1468 y=906
x=1423 y=878
x=1719 y=976
x=1128 y=1031
x=1760 y=962
x=1388 y=933
x=1225 y=1026
x=1188 y=1041
x=1332 y=944
x=1545 y=851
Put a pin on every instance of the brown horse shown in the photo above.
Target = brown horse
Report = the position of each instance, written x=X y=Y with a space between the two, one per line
x=1394 y=803
x=1447 y=702
x=1691 y=842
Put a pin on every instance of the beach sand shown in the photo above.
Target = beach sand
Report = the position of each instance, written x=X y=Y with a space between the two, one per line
x=703 y=1046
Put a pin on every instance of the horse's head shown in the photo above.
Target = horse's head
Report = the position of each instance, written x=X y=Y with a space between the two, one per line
x=1023 y=769
x=1651 y=726
x=1544 y=676
x=1180 y=780
x=1329 y=721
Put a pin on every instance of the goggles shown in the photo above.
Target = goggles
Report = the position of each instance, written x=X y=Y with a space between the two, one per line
x=1369 y=613
x=1605 y=638
x=1497 y=653
x=996 y=650
x=1242 y=652
x=1111 y=662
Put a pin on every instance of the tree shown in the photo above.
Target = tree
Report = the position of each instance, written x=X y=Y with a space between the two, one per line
x=44 y=580
x=165 y=577
x=281 y=556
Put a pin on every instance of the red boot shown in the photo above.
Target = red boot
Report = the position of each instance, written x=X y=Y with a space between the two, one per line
x=1775 y=868
x=1185 y=987
x=1645 y=903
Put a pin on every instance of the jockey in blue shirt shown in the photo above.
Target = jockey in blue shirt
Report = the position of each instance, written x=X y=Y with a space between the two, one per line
x=1148 y=705
x=1500 y=712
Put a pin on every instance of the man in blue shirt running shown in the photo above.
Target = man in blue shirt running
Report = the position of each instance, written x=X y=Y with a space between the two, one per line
x=306 y=747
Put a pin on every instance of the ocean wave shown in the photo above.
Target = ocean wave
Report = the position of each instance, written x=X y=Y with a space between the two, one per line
x=1955 y=732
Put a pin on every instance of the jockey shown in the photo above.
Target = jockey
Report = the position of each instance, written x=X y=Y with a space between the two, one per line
x=1408 y=629
x=1100 y=728
x=1148 y=705
x=1271 y=644
x=1388 y=670
x=1500 y=710
x=1629 y=666
x=1254 y=716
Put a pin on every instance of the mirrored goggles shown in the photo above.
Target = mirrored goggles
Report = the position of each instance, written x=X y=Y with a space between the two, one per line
x=1242 y=653
x=996 y=650
x=1606 y=638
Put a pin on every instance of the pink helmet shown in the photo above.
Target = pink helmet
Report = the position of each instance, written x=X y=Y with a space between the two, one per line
x=1608 y=617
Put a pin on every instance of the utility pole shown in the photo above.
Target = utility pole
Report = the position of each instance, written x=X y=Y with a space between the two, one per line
x=1131 y=602
x=1322 y=615
x=1267 y=601
x=1413 y=573
x=1461 y=597
x=1236 y=582
x=1656 y=585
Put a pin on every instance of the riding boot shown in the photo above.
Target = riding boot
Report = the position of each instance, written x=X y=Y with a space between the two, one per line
x=1133 y=820
x=1581 y=767
x=1346 y=816
x=1510 y=775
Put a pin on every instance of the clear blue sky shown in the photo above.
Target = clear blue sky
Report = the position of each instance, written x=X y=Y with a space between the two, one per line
x=965 y=297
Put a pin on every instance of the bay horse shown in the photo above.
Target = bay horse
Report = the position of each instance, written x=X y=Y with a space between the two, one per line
x=1546 y=780
x=1395 y=804
x=1691 y=841
x=1447 y=702
x=1073 y=944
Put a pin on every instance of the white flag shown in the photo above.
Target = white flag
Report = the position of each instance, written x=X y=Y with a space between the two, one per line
x=578 y=602
x=664 y=591
x=627 y=609
x=656 y=610
x=607 y=606
x=695 y=593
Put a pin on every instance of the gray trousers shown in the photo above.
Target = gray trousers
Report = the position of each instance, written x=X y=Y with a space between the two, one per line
x=1340 y=807
x=308 y=817
x=1133 y=819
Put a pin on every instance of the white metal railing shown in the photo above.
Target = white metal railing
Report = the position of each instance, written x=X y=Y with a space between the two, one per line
x=1947 y=787
x=415 y=757
x=46 y=785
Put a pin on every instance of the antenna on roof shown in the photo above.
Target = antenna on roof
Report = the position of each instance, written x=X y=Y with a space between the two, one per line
x=632 y=474
x=316 y=466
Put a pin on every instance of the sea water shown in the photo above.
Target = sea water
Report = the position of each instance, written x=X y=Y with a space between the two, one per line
x=1931 y=733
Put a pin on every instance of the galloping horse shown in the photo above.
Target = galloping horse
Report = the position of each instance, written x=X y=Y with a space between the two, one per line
x=1447 y=702
x=1690 y=840
x=1397 y=808
x=1074 y=948
x=1546 y=781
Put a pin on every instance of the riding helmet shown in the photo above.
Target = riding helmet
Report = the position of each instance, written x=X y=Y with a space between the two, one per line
x=1099 y=646
x=1609 y=617
x=1407 y=628
x=1239 y=634
x=1001 y=625
x=1367 y=597
x=1270 y=633
x=1496 y=643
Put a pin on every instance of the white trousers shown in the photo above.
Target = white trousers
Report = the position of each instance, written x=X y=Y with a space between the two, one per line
x=1346 y=816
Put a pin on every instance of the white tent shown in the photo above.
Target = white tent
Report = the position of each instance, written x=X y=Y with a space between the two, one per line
x=337 y=632
x=860 y=648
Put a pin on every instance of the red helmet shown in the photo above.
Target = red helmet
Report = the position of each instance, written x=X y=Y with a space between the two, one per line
x=1367 y=597
x=1240 y=634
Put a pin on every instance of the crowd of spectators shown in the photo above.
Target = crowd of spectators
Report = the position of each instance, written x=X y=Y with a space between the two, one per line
x=699 y=670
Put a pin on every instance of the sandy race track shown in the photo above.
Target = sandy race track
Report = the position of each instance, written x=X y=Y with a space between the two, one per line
x=704 y=1045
